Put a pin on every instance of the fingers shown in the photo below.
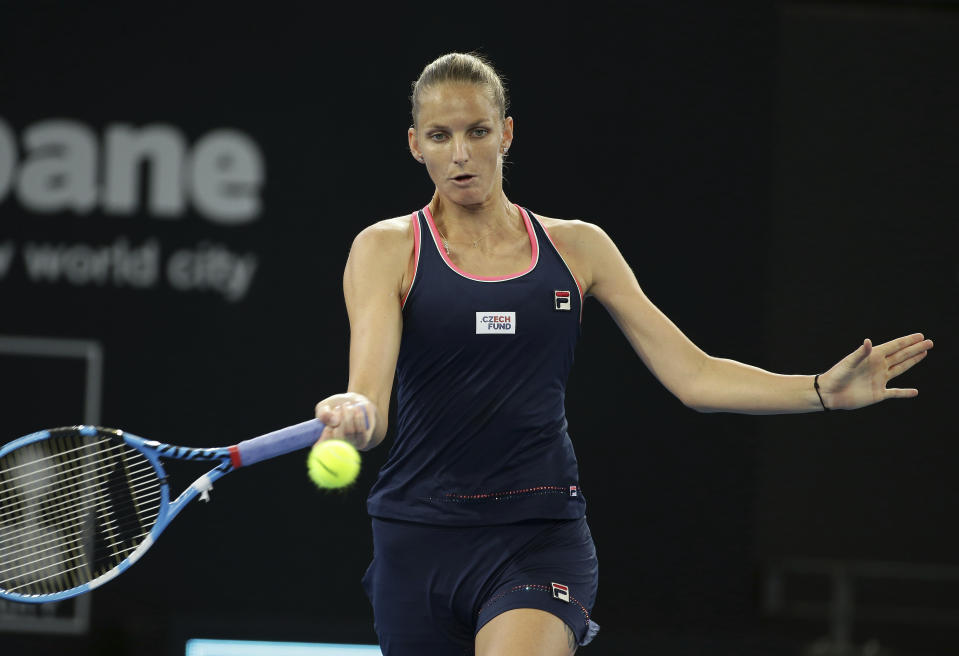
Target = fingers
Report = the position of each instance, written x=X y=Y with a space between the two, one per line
x=354 y=419
x=908 y=352
x=906 y=363
x=861 y=353
x=896 y=351
x=897 y=393
x=895 y=345
x=324 y=412
x=350 y=417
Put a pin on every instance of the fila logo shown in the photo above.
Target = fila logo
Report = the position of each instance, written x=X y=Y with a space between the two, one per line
x=561 y=592
x=495 y=323
x=561 y=301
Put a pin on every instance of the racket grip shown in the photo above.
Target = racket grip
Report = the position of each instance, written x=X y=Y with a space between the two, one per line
x=279 y=442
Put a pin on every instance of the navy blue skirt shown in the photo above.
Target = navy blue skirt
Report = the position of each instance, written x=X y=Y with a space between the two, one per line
x=434 y=587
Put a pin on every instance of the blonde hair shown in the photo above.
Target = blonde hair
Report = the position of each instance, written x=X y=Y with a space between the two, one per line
x=463 y=68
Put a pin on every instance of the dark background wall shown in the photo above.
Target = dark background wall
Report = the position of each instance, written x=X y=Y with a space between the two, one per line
x=781 y=178
x=866 y=175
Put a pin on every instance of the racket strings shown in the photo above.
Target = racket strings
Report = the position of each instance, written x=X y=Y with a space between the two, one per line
x=69 y=507
x=56 y=468
x=62 y=543
x=28 y=510
x=69 y=542
x=28 y=538
x=66 y=550
x=58 y=455
x=63 y=554
x=92 y=489
x=75 y=507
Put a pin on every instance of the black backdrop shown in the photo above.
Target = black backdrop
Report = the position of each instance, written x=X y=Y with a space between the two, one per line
x=684 y=129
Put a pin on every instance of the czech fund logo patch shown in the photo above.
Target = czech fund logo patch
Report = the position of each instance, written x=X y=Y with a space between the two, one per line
x=496 y=323
x=561 y=300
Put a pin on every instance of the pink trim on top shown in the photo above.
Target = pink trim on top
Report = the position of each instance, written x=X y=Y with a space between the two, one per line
x=416 y=255
x=571 y=274
x=533 y=242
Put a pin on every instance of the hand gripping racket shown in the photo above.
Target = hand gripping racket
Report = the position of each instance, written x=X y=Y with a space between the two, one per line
x=80 y=505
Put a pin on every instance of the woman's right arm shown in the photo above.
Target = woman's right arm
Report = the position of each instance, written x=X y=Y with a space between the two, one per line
x=376 y=277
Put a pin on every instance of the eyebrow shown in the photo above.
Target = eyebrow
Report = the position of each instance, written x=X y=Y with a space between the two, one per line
x=476 y=123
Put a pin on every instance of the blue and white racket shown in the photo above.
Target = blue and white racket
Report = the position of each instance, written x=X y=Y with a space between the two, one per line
x=79 y=505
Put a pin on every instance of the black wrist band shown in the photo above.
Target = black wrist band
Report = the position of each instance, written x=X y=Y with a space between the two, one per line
x=815 y=383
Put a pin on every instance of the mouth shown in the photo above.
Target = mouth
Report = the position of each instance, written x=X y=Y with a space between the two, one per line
x=463 y=178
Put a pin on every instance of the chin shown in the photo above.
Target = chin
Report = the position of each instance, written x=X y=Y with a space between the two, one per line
x=468 y=197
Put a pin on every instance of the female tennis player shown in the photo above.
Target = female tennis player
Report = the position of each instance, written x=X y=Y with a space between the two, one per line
x=474 y=303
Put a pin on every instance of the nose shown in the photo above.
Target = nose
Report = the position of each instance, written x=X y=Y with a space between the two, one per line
x=461 y=153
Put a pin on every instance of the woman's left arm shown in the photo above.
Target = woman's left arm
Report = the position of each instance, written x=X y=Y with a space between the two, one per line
x=709 y=384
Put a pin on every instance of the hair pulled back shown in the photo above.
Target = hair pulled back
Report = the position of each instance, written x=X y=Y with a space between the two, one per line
x=462 y=68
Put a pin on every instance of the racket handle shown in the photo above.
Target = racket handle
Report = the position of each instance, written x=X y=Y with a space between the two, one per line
x=279 y=442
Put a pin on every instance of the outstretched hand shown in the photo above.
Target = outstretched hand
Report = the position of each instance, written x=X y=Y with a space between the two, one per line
x=860 y=378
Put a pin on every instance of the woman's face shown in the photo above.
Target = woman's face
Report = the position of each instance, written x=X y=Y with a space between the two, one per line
x=460 y=137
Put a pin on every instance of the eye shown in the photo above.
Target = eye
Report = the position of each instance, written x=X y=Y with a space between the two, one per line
x=437 y=136
x=480 y=132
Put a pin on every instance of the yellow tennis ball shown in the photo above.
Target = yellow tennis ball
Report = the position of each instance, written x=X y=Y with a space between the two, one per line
x=333 y=464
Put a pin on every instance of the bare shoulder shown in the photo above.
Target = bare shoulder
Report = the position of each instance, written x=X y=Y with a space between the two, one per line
x=383 y=253
x=582 y=244
x=572 y=233
x=391 y=234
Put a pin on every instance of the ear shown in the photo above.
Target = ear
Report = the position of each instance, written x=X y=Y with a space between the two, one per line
x=414 y=147
x=507 y=139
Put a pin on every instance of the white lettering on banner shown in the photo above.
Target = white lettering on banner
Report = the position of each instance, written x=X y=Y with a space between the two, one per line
x=227 y=171
x=7 y=251
x=205 y=268
x=222 y=176
x=61 y=173
x=212 y=268
x=82 y=264
x=165 y=149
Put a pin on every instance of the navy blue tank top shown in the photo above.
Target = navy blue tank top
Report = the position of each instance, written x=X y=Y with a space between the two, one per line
x=481 y=383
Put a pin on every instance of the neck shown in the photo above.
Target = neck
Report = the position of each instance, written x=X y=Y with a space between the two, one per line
x=460 y=223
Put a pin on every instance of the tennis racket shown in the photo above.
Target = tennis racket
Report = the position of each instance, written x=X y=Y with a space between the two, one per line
x=80 y=505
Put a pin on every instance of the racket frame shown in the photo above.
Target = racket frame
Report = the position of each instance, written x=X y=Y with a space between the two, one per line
x=248 y=452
